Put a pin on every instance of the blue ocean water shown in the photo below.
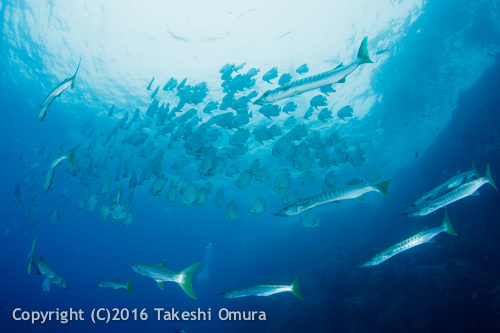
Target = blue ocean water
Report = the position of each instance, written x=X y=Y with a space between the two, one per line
x=424 y=110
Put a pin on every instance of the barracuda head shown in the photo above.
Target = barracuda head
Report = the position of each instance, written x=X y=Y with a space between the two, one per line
x=288 y=211
x=266 y=98
x=374 y=261
x=63 y=284
x=415 y=210
x=137 y=268
x=226 y=294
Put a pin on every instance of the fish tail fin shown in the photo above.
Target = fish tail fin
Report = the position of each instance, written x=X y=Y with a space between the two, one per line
x=129 y=286
x=31 y=255
x=363 y=56
x=488 y=176
x=77 y=68
x=295 y=286
x=188 y=273
x=384 y=187
x=447 y=224
x=71 y=155
x=474 y=168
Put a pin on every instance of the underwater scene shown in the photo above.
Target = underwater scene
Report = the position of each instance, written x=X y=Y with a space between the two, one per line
x=250 y=166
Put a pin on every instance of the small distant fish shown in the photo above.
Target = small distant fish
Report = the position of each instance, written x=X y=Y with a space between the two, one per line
x=161 y=274
x=284 y=79
x=70 y=156
x=310 y=220
x=264 y=290
x=258 y=206
x=56 y=92
x=302 y=69
x=324 y=115
x=270 y=75
x=309 y=83
x=219 y=197
x=317 y=101
x=382 y=51
x=426 y=236
x=111 y=111
x=153 y=95
x=345 y=112
x=289 y=107
x=150 y=83
x=351 y=191
x=232 y=211
x=117 y=285
x=42 y=268
x=327 y=89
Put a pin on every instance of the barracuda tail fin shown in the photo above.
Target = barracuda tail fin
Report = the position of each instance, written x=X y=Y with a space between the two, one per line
x=74 y=76
x=295 y=286
x=384 y=187
x=363 y=56
x=129 y=286
x=188 y=273
x=447 y=224
x=488 y=176
x=30 y=256
x=71 y=155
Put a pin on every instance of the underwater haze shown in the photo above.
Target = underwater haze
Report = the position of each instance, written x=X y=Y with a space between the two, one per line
x=272 y=160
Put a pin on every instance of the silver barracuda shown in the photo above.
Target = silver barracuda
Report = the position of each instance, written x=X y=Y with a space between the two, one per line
x=116 y=284
x=42 y=268
x=56 y=92
x=265 y=290
x=442 y=189
x=161 y=274
x=422 y=237
x=347 y=192
x=335 y=75
x=460 y=192
x=70 y=156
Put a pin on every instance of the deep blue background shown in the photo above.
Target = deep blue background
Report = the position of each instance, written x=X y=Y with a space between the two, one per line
x=450 y=285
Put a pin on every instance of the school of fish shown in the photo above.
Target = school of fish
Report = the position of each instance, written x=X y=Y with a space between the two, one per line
x=217 y=141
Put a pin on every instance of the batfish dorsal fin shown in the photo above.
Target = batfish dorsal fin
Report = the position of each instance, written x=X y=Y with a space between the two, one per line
x=163 y=263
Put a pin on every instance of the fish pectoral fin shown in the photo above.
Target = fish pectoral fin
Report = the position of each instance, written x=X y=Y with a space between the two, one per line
x=475 y=193
x=160 y=284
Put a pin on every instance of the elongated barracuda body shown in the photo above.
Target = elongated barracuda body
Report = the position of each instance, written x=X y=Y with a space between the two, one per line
x=422 y=237
x=460 y=192
x=343 y=193
x=312 y=82
x=70 y=156
x=265 y=290
x=442 y=189
x=160 y=274
x=56 y=92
